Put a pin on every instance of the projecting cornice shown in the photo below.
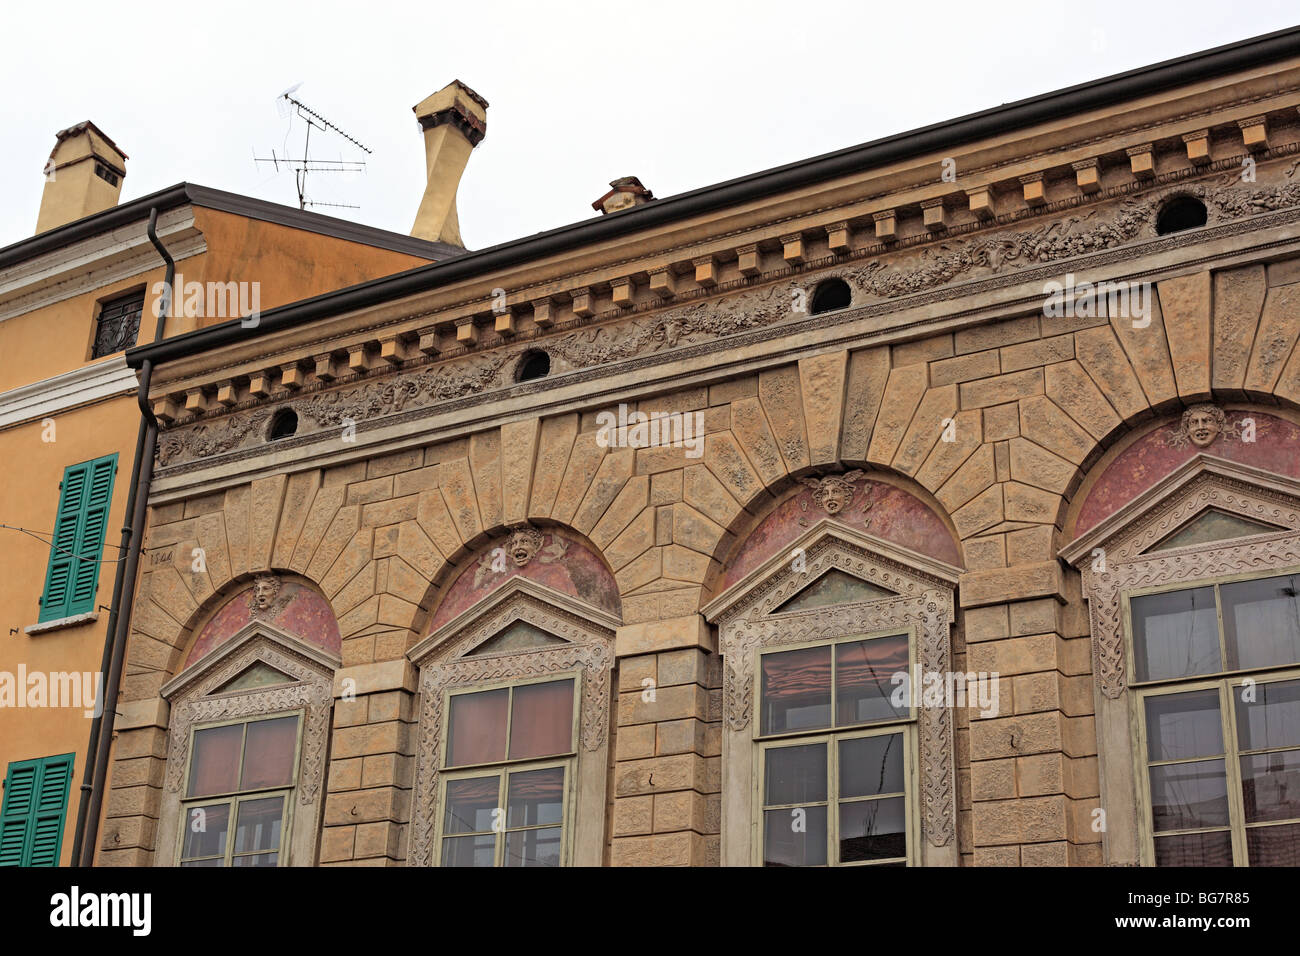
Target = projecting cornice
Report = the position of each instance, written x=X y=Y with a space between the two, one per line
x=58 y=393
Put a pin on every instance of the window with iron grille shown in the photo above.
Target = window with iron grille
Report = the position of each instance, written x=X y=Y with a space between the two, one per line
x=118 y=325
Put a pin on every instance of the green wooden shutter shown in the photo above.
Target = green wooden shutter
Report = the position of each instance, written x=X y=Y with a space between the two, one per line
x=36 y=801
x=78 y=544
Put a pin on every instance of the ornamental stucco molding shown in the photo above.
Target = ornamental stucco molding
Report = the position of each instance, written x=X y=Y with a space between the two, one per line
x=923 y=604
x=918 y=276
x=447 y=660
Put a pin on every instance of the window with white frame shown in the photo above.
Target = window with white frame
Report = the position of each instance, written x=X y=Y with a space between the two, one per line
x=508 y=771
x=836 y=746
x=1216 y=672
x=239 y=792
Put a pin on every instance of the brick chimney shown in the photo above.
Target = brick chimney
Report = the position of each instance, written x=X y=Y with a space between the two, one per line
x=624 y=193
x=83 y=176
x=454 y=121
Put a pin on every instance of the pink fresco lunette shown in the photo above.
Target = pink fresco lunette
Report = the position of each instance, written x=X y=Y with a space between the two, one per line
x=306 y=615
x=1276 y=448
x=881 y=510
x=579 y=573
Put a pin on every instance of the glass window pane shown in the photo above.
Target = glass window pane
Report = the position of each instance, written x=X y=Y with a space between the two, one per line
x=205 y=830
x=1189 y=796
x=268 y=753
x=469 y=850
x=533 y=847
x=835 y=587
x=1272 y=719
x=542 y=723
x=469 y=804
x=795 y=775
x=258 y=859
x=871 y=765
x=794 y=837
x=1270 y=786
x=1175 y=634
x=796 y=690
x=535 y=797
x=1181 y=726
x=1261 y=622
x=873 y=830
x=864 y=679
x=478 y=727
x=1274 y=846
x=214 y=765
x=203 y=863
x=1195 y=849
x=259 y=825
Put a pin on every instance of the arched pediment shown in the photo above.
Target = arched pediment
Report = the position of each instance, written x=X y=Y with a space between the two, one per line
x=829 y=545
x=1256 y=505
x=520 y=599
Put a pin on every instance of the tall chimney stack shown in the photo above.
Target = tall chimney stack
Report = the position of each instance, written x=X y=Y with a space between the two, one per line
x=454 y=121
x=83 y=176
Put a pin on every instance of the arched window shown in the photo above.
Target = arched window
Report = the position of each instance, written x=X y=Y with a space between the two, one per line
x=831 y=295
x=1194 y=595
x=513 y=737
x=827 y=749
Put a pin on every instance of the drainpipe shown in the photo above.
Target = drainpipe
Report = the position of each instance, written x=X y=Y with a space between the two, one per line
x=101 y=729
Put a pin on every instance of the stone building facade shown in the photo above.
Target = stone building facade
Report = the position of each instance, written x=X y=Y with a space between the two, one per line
x=893 y=424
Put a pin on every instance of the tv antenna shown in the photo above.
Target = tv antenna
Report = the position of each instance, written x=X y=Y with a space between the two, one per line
x=289 y=106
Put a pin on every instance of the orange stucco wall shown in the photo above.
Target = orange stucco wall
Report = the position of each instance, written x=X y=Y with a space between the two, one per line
x=290 y=264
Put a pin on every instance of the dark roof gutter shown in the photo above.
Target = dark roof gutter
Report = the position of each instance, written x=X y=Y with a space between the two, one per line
x=1096 y=94
x=137 y=210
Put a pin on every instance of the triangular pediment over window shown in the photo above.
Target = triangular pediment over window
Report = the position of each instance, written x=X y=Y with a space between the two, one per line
x=831 y=565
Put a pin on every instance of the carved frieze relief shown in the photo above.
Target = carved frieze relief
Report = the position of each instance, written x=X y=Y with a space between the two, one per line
x=997 y=256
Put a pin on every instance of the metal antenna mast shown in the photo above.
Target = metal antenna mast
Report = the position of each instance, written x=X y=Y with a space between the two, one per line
x=304 y=164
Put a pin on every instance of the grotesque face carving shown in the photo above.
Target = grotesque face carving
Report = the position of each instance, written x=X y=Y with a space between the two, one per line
x=523 y=544
x=1203 y=425
x=834 y=492
x=1202 y=428
x=265 y=589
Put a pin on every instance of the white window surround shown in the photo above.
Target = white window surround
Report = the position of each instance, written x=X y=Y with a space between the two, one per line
x=1125 y=539
x=748 y=623
x=196 y=699
x=445 y=660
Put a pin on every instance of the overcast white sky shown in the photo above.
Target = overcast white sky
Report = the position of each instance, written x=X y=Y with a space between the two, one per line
x=681 y=94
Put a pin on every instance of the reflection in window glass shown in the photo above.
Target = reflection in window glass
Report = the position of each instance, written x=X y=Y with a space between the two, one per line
x=1261 y=622
x=796 y=692
x=1175 y=634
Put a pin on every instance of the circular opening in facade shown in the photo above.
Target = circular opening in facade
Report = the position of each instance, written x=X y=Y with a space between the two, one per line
x=535 y=365
x=284 y=424
x=831 y=295
x=1182 y=212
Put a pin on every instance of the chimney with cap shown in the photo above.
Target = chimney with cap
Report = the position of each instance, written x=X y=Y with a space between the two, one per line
x=83 y=176
x=623 y=194
x=454 y=121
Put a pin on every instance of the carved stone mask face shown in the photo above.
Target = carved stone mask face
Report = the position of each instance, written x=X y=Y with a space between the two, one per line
x=265 y=588
x=834 y=498
x=1202 y=428
x=523 y=545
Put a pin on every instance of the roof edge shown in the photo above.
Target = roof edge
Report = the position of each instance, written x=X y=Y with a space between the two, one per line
x=1121 y=87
